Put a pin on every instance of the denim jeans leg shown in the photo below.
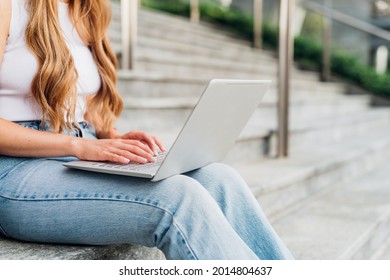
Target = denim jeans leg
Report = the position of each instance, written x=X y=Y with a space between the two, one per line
x=42 y=201
x=242 y=210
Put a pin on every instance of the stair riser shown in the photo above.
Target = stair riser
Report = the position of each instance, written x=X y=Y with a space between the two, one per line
x=372 y=242
x=146 y=26
x=173 y=118
x=266 y=147
x=327 y=135
x=219 y=69
x=184 y=47
x=190 y=68
x=142 y=88
x=247 y=150
x=192 y=39
x=151 y=44
x=278 y=201
x=183 y=24
x=180 y=88
x=167 y=22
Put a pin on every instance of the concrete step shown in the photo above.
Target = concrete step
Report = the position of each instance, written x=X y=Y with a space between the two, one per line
x=162 y=21
x=209 y=43
x=348 y=221
x=16 y=250
x=163 y=46
x=153 y=84
x=191 y=64
x=382 y=253
x=321 y=132
x=210 y=37
x=167 y=113
x=147 y=42
x=212 y=33
x=282 y=185
x=146 y=58
x=183 y=48
x=154 y=21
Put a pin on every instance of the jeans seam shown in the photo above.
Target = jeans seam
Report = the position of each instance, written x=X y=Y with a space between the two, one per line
x=3 y=232
x=5 y=174
x=184 y=239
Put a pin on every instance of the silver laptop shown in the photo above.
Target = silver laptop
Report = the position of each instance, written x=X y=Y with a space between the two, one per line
x=207 y=136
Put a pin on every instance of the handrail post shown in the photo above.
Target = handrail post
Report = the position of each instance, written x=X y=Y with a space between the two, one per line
x=286 y=34
x=327 y=43
x=257 y=23
x=195 y=14
x=129 y=15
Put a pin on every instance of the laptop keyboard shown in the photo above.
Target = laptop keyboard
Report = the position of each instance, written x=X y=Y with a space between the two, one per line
x=138 y=167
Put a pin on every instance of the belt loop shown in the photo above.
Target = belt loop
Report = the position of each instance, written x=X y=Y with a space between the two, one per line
x=80 y=132
x=81 y=126
x=76 y=130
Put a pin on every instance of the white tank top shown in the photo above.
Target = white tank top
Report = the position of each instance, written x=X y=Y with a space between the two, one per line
x=19 y=67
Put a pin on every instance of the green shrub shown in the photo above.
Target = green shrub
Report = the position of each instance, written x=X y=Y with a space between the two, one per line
x=170 y=6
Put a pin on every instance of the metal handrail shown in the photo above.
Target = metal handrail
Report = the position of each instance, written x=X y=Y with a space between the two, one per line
x=129 y=27
x=326 y=54
x=286 y=37
x=346 y=19
x=257 y=23
x=195 y=14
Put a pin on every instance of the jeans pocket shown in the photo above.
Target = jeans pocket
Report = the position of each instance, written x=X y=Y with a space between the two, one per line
x=9 y=163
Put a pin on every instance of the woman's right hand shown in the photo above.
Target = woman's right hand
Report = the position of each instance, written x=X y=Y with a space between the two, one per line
x=114 y=150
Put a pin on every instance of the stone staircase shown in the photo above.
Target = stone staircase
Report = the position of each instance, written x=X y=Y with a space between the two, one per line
x=328 y=200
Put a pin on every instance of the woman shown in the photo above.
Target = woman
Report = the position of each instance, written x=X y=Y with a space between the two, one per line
x=58 y=101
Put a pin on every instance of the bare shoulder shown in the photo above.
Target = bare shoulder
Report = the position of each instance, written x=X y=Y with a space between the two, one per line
x=5 y=19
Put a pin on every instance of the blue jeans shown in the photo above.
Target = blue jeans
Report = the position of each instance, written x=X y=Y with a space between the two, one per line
x=209 y=213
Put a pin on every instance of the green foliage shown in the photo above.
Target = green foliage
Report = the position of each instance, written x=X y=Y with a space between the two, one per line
x=307 y=51
x=351 y=69
x=239 y=21
x=170 y=6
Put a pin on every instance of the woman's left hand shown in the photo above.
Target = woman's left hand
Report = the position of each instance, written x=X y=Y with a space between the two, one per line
x=151 y=141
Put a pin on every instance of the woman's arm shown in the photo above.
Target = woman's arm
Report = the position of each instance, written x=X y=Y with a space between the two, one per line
x=19 y=141
x=16 y=140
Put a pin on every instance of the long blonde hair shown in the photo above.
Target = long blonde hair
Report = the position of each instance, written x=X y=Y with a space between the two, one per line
x=54 y=85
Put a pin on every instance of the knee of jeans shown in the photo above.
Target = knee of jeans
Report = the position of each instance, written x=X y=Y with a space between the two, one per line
x=189 y=203
x=219 y=171
x=186 y=192
x=221 y=175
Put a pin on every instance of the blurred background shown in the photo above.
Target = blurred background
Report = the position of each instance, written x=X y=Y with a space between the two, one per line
x=316 y=152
